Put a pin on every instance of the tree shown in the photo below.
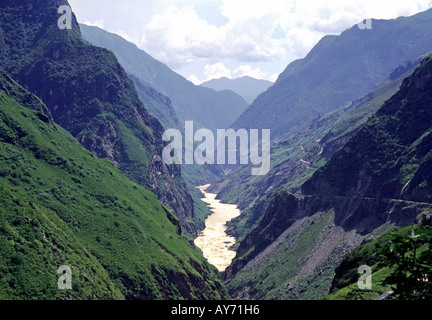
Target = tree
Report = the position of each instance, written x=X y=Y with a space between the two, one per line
x=411 y=259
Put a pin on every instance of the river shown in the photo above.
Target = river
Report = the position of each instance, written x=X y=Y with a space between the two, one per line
x=213 y=240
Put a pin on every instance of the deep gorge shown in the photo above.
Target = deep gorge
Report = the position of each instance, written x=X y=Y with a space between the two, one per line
x=213 y=241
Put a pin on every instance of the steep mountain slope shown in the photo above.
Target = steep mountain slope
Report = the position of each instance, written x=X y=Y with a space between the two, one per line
x=388 y=157
x=379 y=180
x=339 y=69
x=60 y=205
x=373 y=254
x=247 y=87
x=294 y=160
x=206 y=107
x=157 y=104
x=90 y=95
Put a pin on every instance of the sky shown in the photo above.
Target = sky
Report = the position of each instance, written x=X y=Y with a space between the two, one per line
x=210 y=39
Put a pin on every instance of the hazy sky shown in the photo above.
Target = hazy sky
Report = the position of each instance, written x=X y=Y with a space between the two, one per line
x=205 y=39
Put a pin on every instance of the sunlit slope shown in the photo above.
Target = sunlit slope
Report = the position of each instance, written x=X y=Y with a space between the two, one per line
x=60 y=205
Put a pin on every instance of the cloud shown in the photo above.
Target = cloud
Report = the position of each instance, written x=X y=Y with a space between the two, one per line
x=99 y=23
x=247 y=70
x=219 y=70
x=183 y=33
x=274 y=77
x=194 y=79
x=216 y=71
x=309 y=20
x=181 y=36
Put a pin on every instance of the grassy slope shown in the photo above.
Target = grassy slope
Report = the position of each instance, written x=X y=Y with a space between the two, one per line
x=345 y=285
x=61 y=205
x=89 y=94
x=294 y=160
x=270 y=280
x=415 y=157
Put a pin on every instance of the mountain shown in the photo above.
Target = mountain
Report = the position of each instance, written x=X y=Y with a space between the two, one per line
x=247 y=87
x=62 y=206
x=172 y=99
x=393 y=150
x=338 y=70
x=206 y=107
x=377 y=181
x=295 y=159
x=89 y=94
x=377 y=255
x=158 y=105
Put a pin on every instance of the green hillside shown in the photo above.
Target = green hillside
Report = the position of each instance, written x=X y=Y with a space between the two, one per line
x=392 y=149
x=60 y=205
x=377 y=181
x=376 y=254
x=89 y=94
x=294 y=160
x=337 y=71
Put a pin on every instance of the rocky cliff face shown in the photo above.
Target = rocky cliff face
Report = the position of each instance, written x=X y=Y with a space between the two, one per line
x=89 y=94
x=294 y=160
x=381 y=160
x=294 y=250
x=61 y=205
x=380 y=179
x=338 y=70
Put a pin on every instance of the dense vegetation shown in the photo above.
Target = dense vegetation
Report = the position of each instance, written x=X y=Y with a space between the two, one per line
x=399 y=261
x=60 y=205
x=89 y=94
x=366 y=190
x=348 y=166
x=411 y=258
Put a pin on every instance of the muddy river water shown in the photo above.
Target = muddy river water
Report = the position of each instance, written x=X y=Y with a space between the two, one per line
x=213 y=240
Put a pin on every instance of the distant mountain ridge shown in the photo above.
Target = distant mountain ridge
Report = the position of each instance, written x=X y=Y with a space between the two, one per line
x=290 y=242
x=89 y=94
x=247 y=87
x=339 y=69
x=206 y=107
x=379 y=180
